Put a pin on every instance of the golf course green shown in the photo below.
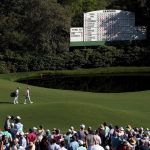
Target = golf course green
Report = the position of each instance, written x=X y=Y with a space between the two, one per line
x=65 y=108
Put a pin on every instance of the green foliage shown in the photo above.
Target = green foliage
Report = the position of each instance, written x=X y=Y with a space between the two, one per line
x=79 y=7
x=3 y=67
x=33 y=25
x=34 y=35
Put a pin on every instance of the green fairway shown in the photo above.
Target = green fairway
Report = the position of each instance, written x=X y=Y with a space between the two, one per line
x=63 y=108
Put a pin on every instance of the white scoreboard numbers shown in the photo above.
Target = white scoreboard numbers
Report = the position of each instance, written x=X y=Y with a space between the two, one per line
x=108 y=25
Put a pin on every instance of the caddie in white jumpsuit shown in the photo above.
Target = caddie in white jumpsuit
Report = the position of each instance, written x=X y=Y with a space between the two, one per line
x=27 y=96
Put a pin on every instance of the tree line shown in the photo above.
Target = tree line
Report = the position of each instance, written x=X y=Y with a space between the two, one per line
x=34 y=35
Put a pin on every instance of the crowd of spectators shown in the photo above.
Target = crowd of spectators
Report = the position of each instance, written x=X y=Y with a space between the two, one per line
x=105 y=137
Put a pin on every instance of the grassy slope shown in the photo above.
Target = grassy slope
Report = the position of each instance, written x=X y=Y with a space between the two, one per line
x=62 y=108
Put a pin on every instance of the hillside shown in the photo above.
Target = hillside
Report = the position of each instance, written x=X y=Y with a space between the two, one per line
x=63 y=108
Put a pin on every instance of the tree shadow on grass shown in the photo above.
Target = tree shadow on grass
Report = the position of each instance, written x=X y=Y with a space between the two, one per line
x=5 y=102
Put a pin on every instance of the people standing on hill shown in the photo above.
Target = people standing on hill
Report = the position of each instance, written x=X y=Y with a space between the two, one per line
x=27 y=96
x=16 y=96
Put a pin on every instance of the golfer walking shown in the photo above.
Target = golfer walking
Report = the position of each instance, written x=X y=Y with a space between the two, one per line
x=16 y=96
x=27 y=96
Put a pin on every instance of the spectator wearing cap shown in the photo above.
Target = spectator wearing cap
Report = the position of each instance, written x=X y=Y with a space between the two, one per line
x=81 y=147
x=18 y=125
x=81 y=134
x=7 y=123
x=22 y=140
x=121 y=132
x=73 y=131
x=128 y=128
x=132 y=142
x=35 y=130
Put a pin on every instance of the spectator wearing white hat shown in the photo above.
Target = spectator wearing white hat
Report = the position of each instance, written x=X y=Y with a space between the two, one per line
x=35 y=130
x=81 y=134
x=18 y=125
x=121 y=132
x=73 y=131
x=81 y=147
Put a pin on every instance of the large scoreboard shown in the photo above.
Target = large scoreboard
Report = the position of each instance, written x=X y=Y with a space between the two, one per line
x=110 y=25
